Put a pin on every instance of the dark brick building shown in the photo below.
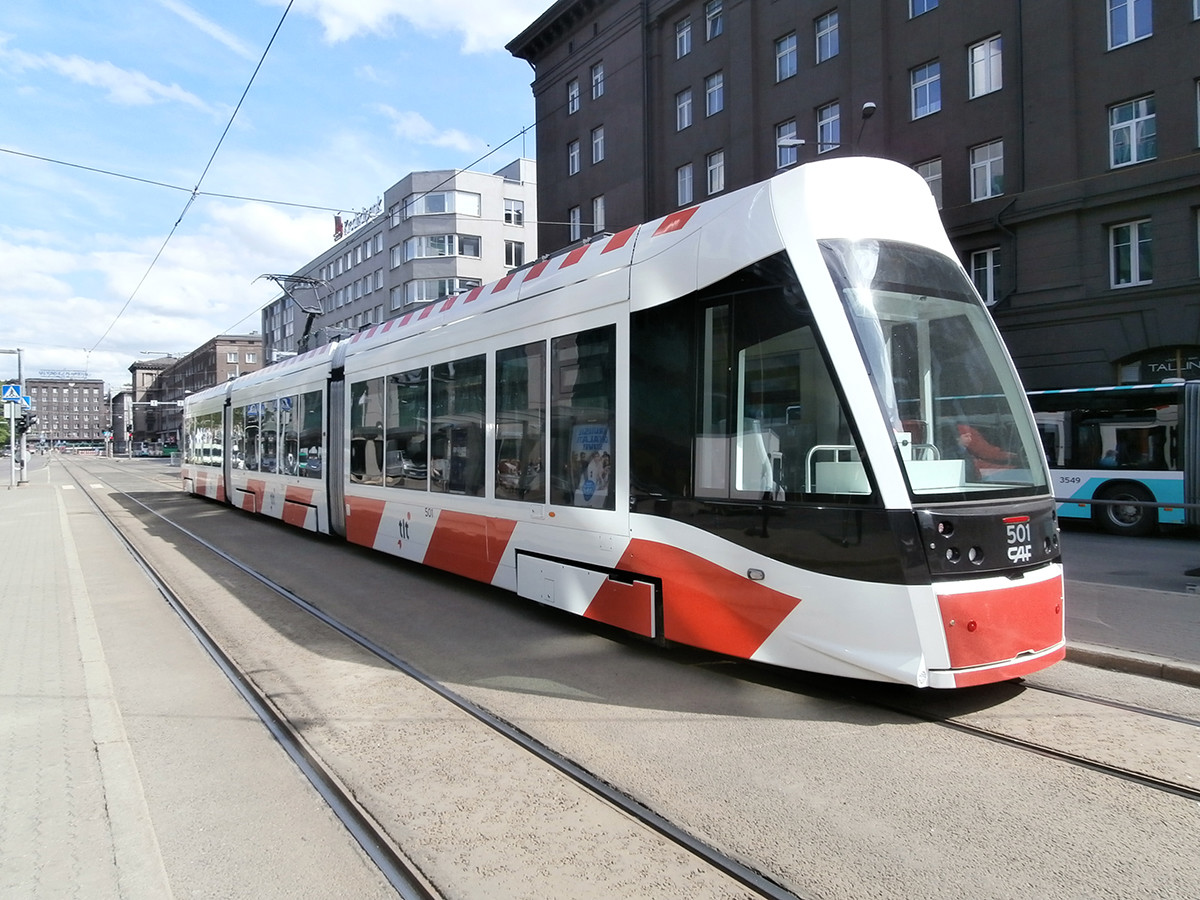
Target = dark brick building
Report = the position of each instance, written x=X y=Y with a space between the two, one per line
x=1060 y=136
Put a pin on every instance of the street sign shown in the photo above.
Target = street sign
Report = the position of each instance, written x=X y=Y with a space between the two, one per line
x=12 y=392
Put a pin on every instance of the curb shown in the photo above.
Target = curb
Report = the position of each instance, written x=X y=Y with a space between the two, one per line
x=1135 y=663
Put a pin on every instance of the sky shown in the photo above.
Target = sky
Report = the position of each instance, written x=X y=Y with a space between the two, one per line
x=131 y=229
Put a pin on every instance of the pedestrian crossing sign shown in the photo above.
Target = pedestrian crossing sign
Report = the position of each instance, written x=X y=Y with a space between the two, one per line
x=12 y=392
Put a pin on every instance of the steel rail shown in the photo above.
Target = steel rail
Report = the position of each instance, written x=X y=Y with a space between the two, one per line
x=400 y=873
x=735 y=869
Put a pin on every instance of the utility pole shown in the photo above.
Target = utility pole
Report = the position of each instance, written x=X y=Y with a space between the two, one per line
x=21 y=475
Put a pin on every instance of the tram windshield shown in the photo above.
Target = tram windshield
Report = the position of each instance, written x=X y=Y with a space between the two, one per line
x=940 y=372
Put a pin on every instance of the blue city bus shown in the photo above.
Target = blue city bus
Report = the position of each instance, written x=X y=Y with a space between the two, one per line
x=1131 y=448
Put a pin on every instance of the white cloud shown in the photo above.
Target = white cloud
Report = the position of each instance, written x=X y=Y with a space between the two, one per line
x=412 y=126
x=124 y=86
x=209 y=27
x=484 y=24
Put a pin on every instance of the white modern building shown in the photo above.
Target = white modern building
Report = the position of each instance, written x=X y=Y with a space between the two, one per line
x=432 y=234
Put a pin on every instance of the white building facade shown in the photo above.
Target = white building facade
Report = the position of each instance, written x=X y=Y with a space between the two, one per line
x=432 y=234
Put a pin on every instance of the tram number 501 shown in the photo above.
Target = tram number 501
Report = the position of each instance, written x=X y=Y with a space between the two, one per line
x=1020 y=541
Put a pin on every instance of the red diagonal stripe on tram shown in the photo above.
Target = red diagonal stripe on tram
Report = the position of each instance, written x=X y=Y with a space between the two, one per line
x=469 y=545
x=707 y=606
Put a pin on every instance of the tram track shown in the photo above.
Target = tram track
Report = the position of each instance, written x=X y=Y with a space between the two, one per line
x=407 y=879
x=1078 y=760
x=404 y=877
x=951 y=711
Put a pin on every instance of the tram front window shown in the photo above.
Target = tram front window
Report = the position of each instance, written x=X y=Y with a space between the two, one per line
x=942 y=378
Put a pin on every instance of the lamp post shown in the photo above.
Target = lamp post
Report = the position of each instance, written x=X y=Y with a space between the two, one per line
x=868 y=110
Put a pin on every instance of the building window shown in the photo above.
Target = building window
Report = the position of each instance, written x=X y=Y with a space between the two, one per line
x=920 y=7
x=683 y=38
x=1129 y=245
x=572 y=96
x=573 y=158
x=514 y=254
x=597 y=214
x=683 y=184
x=1128 y=21
x=714 y=19
x=427 y=289
x=785 y=57
x=231 y=357
x=827 y=36
x=597 y=144
x=987 y=170
x=715 y=163
x=427 y=246
x=787 y=153
x=985 y=272
x=597 y=81
x=984 y=61
x=926 y=83
x=931 y=171
x=1132 y=132
x=574 y=223
x=829 y=127
x=683 y=109
x=440 y=203
x=714 y=93
x=514 y=212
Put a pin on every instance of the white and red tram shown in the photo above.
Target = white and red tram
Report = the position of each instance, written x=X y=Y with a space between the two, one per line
x=778 y=425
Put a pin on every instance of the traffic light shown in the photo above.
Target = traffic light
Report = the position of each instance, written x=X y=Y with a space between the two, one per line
x=26 y=422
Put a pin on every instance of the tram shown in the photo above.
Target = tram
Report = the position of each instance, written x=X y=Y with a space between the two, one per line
x=778 y=425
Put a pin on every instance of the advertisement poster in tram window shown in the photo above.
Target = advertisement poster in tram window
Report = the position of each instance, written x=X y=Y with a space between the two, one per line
x=591 y=461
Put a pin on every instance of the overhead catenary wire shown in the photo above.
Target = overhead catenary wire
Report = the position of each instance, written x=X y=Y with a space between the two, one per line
x=195 y=191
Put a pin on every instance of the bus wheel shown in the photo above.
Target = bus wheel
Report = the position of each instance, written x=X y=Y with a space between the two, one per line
x=1124 y=516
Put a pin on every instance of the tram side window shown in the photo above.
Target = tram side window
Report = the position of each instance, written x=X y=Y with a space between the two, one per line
x=732 y=399
x=406 y=456
x=268 y=440
x=456 y=426
x=205 y=437
x=310 y=416
x=582 y=418
x=237 y=449
x=521 y=423
x=250 y=447
x=289 y=436
x=366 y=431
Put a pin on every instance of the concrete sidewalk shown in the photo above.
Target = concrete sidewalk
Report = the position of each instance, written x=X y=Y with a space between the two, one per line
x=131 y=767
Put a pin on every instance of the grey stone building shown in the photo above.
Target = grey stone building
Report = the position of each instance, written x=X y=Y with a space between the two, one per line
x=1060 y=137
x=149 y=412
x=70 y=411
x=432 y=234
